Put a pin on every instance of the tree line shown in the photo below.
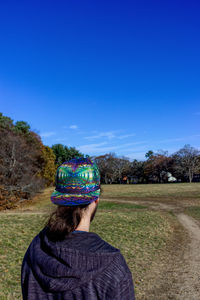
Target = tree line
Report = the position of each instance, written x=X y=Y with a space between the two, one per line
x=160 y=167
x=27 y=165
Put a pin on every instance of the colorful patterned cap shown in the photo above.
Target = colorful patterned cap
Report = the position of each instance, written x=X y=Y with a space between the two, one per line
x=77 y=183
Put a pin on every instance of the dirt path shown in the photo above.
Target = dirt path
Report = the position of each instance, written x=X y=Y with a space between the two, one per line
x=176 y=273
x=180 y=271
x=190 y=274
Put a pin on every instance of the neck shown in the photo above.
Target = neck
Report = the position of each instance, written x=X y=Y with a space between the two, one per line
x=84 y=225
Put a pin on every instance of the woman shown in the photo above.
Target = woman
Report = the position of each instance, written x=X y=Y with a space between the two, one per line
x=65 y=260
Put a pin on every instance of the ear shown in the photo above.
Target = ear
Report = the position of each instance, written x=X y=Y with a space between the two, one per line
x=97 y=201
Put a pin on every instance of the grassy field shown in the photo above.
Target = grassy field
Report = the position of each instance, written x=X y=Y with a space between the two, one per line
x=153 y=191
x=140 y=233
x=174 y=191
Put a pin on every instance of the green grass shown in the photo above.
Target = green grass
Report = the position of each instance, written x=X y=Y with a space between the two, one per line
x=138 y=233
x=193 y=211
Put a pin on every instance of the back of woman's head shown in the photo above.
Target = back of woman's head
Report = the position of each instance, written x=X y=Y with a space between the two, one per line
x=64 y=220
x=77 y=186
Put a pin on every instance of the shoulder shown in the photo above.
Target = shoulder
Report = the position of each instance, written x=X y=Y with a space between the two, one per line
x=118 y=267
x=118 y=261
x=105 y=246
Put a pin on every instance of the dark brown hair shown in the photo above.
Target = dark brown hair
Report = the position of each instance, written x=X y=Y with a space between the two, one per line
x=64 y=220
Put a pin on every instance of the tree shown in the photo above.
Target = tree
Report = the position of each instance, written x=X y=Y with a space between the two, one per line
x=64 y=153
x=121 y=167
x=186 y=162
x=22 y=127
x=149 y=154
x=59 y=151
x=21 y=160
x=6 y=122
x=137 y=171
x=19 y=167
x=49 y=168
x=112 y=168
x=106 y=167
x=157 y=167
x=72 y=152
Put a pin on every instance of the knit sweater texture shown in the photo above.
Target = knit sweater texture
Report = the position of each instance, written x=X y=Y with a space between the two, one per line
x=81 y=267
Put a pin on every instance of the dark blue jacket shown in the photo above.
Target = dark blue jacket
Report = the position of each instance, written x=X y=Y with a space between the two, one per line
x=82 y=267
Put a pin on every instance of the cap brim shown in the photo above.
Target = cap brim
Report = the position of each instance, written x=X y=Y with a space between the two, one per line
x=74 y=199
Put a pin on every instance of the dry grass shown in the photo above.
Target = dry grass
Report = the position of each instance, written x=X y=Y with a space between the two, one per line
x=193 y=211
x=165 y=191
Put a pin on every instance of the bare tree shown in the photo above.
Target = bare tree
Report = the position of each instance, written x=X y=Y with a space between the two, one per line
x=112 y=168
x=121 y=166
x=19 y=163
x=187 y=161
x=106 y=167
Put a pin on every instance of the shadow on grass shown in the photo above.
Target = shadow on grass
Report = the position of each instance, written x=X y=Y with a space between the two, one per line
x=116 y=205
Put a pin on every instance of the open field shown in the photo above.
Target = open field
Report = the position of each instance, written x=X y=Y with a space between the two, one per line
x=170 y=191
x=148 y=232
x=175 y=192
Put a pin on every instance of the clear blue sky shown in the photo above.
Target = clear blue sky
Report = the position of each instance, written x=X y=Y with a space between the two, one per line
x=103 y=76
